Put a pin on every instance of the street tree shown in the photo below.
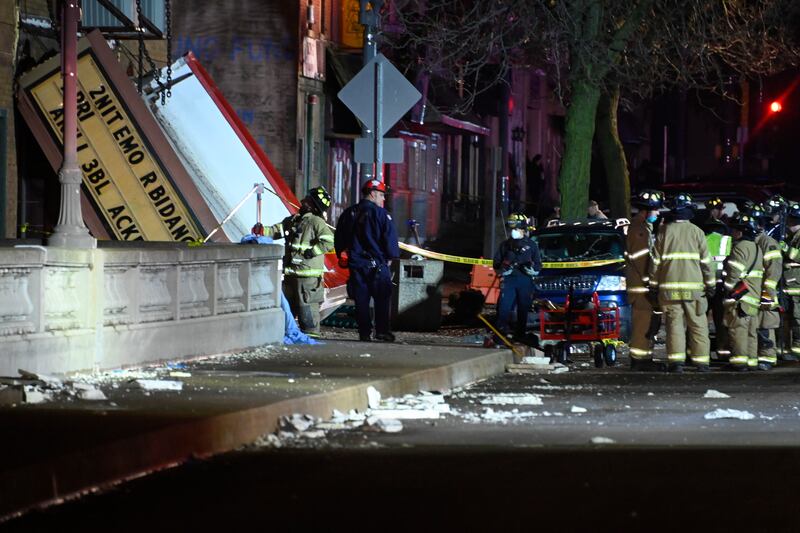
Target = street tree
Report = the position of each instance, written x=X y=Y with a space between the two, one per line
x=595 y=54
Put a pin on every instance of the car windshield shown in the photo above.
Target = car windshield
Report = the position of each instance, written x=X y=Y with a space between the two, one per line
x=580 y=246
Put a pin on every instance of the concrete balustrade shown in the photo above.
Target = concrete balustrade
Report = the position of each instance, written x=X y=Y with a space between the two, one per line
x=65 y=310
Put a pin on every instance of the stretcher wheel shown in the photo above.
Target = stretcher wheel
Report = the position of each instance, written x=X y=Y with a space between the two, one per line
x=598 y=356
x=610 y=355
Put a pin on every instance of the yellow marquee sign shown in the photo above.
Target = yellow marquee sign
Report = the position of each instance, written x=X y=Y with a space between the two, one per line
x=122 y=174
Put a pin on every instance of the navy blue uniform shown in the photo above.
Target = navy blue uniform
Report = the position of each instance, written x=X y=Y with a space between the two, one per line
x=366 y=231
x=515 y=261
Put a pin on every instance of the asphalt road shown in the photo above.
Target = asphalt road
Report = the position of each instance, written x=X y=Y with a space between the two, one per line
x=663 y=465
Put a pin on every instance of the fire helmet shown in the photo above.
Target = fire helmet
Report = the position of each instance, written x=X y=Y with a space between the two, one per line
x=373 y=185
x=744 y=223
x=649 y=199
x=517 y=221
x=319 y=198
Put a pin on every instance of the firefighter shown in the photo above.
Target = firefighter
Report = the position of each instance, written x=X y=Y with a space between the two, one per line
x=714 y=223
x=776 y=206
x=680 y=274
x=744 y=271
x=769 y=318
x=366 y=242
x=719 y=244
x=307 y=239
x=639 y=243
x=517 y=262
x=791 y=278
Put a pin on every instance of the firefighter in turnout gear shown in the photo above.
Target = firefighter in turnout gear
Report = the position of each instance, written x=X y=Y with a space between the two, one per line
x=517 y=262
x=680 y=272
x=307 y=239
x=719 y=247
x=769 y=318
x=744 y=271
x=639 y=243
x=791 y=278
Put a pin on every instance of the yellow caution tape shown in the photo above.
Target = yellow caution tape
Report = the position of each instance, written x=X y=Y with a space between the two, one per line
x=444 y=257
x=582 y=264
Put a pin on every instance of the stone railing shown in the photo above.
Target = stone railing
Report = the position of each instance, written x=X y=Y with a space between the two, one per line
x=63 y=310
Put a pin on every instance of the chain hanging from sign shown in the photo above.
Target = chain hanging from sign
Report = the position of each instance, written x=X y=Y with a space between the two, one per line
x=164 y=89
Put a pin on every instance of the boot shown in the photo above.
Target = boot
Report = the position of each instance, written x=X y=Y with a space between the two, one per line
x=703 y=368
x=675 y=368
x=385 y=337
x=788 y=357
x=763 y=366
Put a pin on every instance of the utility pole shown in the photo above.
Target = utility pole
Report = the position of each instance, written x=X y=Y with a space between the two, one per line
x=70 y=232
x=370 y=18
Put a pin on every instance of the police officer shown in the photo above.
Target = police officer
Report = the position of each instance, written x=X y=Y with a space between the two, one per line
x=366 y=241
x=680 y=273
x=517 y=262
x=744 y=271
x=769 y=318
x=308 y=238
x=639 y=243
x=719 y=247
x=791 y=278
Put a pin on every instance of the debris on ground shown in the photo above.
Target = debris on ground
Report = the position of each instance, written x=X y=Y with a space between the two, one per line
x=159 y=384
x=577 y=409
x=602 y=440
x=510 y=398
x=385 y=425
x=711 y=393
x=729 y=413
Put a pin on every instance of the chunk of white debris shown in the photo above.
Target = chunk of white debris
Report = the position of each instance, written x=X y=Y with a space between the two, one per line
x=577 y=409
x=34 y=395
x=91 y=394
x=650 y=394
x=512 y=399
x=711 y=393
x=296 y=422
x=51 y=381
x=314 y=434
x=159 y=384
x=179 y=374
x=535 y=360
x=386 y=425
x=729 y=413
x=602 y=440
x=365 y=355
x=404 y=414
x=373 y=397
x=560 y=369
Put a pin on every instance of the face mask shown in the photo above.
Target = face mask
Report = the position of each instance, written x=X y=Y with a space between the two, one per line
x=517 y=234
x=652 y=219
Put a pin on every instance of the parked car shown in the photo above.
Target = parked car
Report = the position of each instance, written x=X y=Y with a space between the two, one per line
x=583 y=263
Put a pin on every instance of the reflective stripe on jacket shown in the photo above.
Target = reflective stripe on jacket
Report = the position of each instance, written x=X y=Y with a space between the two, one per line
x=681 y=266
x=303 y=232
x=746 y=263
x=639 y=242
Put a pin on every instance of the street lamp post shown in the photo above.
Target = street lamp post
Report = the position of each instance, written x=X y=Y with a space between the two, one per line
x=70 y=232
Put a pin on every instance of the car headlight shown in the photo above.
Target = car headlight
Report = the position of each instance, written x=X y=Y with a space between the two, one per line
x=611 y=283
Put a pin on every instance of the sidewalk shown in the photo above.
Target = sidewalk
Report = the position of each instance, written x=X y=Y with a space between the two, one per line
x=61 y=447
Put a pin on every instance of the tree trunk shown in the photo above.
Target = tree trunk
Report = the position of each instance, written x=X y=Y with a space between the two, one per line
x=573 y=178
x=613 y=155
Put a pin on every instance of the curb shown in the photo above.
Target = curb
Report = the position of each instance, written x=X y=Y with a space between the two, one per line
x=108 y=463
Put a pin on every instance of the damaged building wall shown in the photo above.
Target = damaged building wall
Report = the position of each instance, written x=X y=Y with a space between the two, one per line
x=250 y=48
x=8 y=158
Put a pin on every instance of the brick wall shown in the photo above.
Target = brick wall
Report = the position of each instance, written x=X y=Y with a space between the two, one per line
x=250 y=48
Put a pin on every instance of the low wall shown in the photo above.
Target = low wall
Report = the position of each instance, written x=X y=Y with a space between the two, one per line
x=64 y=310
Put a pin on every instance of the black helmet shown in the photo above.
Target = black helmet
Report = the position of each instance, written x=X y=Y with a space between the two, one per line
x=775 y=204
x=758 y=212
x=649 y=199
x=744 y=223
x=319 y=198
x=517 y=221
x=794 y=210
x=714 y=203
x=682 y=200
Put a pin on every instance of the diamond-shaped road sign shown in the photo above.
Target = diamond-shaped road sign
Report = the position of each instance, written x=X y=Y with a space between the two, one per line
x=398 y=95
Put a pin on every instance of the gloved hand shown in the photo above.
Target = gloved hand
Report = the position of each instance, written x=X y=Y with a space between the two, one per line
x=506 y=272
x=530 y=271
x=309 y=253
x=711 y=290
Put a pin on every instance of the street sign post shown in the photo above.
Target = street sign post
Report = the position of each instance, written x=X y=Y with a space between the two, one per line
x=379 y=95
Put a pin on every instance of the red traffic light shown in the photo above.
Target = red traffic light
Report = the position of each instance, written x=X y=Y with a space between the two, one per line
x=775 y=107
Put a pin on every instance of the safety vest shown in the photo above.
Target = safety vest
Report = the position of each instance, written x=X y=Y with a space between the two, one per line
x=681 y=266
x=719 y=247
x=302 y=232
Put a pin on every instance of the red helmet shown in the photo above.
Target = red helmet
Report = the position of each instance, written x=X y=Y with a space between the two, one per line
x=373 y=185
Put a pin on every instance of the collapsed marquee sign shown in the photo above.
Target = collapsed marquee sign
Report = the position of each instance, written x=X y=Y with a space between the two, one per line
x=133 y=181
